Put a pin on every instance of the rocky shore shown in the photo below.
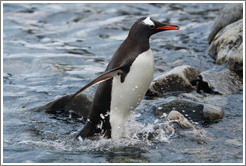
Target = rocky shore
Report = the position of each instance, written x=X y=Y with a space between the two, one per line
x=225 y=47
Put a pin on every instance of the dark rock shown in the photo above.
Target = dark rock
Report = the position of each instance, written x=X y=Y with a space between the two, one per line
x=229 y=14
x=79 y=106
x=227 y=47
x=178 y=79
x=147 y=135
x=221 y=82
x=191 y=110
x=202 y=86
x=194 y=112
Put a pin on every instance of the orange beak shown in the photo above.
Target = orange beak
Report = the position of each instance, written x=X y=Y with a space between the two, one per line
x=169 y=27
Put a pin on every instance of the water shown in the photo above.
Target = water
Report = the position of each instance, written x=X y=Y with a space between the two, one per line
x=51 y=50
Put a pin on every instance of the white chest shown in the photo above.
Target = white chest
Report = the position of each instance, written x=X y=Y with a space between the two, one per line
x=127 y=95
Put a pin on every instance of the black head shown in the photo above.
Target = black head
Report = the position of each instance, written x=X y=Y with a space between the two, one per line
x=147 y=26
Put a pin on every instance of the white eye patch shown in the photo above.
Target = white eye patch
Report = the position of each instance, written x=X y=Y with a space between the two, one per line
x=147 y=21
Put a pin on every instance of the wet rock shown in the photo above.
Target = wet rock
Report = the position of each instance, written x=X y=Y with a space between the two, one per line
x=212 y=113
x=77 y=107
x=178 y=117
x=178 y=79
x=148 y=135
x=184 y=128
x=128 y=154
x=229 y=14
x=227 y=47
x=218 y=82
x=190 y=110
x=194 y=112
x=81 y=104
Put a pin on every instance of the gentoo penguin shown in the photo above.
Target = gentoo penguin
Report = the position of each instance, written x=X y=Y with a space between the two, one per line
x=124 y=83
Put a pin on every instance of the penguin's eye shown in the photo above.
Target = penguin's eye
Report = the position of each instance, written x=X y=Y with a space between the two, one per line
x=151 y=26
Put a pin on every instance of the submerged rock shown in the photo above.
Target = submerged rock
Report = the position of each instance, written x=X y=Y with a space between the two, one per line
x=227 y=47
x=66 y=105
x=229 y=14
x=194 y=112
x=178 y=79
x=184 y=128
x=221 y=82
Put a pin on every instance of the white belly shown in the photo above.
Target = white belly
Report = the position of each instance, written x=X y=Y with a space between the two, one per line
x=127 y=95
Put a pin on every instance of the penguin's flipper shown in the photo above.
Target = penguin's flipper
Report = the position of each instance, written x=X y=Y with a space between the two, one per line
x=104 y=77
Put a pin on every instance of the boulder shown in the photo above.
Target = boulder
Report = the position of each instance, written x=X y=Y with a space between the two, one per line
x=212 y=113
x=230 y=13
x=194 y=112
x=175 y=123
x=227 y=47
x=184 y=128
x=190 y=110
x=76 y=107
x=219 y=82
x=178 y=79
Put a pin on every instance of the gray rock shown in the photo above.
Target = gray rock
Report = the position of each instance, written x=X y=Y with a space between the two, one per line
x=78 y=106
x=221 y=82
x=212 y=113
x=227 y=47
x=178 y=79
x=194 y=112
x=229 y=14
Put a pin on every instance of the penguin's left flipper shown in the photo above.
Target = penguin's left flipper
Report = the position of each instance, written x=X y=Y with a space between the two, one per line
x=122 y=70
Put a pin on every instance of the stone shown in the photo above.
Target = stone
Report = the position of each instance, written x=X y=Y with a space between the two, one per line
x=212 y=113
x=227 y=47
x=178 y=117
x=230 y=13
x=81 y=104
x=219 y=82
x=184 y=128
x=196 y=113
x=77 y=107
x=191 y=110
x=178 y=79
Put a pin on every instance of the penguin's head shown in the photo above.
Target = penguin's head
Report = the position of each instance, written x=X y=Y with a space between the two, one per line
x=147 y=26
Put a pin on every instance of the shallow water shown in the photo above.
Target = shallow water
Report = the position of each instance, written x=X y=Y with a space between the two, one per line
x=51 y=50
